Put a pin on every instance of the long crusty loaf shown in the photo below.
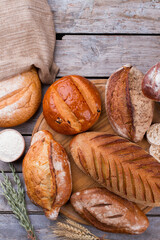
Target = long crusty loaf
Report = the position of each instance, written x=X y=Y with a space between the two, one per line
x=108 y=212
x=119 y=165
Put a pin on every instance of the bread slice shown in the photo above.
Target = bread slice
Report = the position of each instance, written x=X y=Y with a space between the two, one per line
x=119 y=165
x=129 y=112
x=155 y=152
x=153 y=134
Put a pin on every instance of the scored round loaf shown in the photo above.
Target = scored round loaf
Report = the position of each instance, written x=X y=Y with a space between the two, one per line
x=129 y=112
x=151 y=83
x=108 y=212
x=20 y=97
x=47 y=174
x=71 y=105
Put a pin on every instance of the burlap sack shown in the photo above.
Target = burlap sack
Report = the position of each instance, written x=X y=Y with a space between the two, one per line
x=27 y=38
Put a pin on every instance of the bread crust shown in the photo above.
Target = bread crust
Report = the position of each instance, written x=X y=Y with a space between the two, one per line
x=121 y=166
x=126 y=105
x=20 y=98
x=47 y=174
x=108 y=212
x=151 y=83
x=118 y=103
x=71 y=105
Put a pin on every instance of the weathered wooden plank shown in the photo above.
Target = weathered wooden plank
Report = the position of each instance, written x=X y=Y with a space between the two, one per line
x=10 y=229
x=101 y=55
x=97 y=16
x=32 y=208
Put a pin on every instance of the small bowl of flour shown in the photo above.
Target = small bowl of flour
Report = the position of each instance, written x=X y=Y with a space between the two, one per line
x=12 y=145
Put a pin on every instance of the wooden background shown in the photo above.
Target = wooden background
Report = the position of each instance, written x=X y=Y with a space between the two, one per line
x=94 y=37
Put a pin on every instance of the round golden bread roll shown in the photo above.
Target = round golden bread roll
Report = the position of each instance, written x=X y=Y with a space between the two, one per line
x=20 y=97
x=71 y=105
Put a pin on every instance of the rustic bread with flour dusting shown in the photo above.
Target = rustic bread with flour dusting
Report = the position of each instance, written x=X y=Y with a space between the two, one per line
x=108 y=212
x=119 y=165
x=47 y=175
x=129 y=112
x=20 y=97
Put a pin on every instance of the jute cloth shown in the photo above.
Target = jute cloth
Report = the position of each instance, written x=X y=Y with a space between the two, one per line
x=27 y=38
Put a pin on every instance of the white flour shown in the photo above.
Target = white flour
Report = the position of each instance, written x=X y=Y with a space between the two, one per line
x=11 y=145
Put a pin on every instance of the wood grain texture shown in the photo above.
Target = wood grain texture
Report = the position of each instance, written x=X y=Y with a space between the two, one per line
x=44 y=228
x=97 y=16
x=101 y=55
x=80 y=180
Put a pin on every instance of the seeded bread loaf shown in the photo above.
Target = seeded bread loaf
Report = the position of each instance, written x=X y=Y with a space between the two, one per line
x=108 y=212
x=71 y=105
x=121 y=166
x=129 y=112
x=20 y=97
x=47 y=175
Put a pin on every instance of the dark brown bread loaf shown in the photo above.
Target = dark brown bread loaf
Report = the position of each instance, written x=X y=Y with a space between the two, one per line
x=108 y=212
x=151 y=83
x=129 y=112
x=119 y=165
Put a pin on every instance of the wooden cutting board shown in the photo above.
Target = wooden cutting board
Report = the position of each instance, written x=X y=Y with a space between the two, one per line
x=79 y=179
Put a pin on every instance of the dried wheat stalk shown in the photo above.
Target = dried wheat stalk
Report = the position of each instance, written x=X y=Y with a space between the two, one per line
x=72 y=230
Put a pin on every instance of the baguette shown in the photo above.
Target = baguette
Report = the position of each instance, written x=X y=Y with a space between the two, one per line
x=108 y=212
x=119 y=165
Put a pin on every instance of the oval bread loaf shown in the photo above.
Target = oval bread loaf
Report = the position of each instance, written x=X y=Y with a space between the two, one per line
x=129 y=112
x=47 y=175
x=119 y=165
x=108 y=212
x=20 y=98
x=71 y=105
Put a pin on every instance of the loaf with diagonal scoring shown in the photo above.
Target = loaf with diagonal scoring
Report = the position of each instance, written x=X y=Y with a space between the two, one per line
x=119 y=165
x=108 y=212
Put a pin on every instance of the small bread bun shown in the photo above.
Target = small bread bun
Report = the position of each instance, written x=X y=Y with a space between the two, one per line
x=20 y=97
x=153 y=134
x=71 y=105
x=155 y=152
x=151 y=83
